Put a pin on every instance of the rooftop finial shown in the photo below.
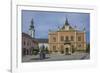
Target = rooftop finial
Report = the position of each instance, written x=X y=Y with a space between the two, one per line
x=84 y=27
x=32 y=21
x=75 y=27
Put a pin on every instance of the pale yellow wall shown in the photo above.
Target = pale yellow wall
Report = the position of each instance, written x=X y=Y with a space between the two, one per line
x=58 y=42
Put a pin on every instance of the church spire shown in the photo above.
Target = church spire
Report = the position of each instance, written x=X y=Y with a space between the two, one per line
x=32 y=24
x=66 y=22
x=32 y=29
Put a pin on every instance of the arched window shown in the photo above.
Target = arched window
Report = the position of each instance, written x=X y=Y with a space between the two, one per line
x=79 y=38
x=79 y=45
x=54 y=39
x=72 y=38
x=66 y=38
x=54 y=48
x=24 y=43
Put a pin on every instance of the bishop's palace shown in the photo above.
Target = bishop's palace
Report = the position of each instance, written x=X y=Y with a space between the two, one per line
x=65 y=40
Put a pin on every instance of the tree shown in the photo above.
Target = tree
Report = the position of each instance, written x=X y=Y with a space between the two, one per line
x=35 y=51
x=88 y=48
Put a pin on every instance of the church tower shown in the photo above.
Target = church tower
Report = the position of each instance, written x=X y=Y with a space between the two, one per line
x=32 y=29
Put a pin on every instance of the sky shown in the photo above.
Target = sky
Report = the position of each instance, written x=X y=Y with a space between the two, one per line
x=46 y=20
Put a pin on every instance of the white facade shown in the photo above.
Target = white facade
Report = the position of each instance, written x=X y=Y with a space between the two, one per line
x=46 y=45
x=32 y=33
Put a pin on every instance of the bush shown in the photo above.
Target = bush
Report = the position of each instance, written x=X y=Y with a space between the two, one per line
x=46 y=50
x=35 y=51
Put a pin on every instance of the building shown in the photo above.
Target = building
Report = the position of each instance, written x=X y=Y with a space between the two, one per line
x=67 y=40
x=28 y=40
x=43 y=42
x=28 y=44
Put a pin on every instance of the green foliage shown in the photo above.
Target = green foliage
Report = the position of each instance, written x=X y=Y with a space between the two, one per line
x=88 y=48
x=46 y=50
x=35 y=51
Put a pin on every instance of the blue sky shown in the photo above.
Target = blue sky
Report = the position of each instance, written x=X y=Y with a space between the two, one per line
x=45 y=21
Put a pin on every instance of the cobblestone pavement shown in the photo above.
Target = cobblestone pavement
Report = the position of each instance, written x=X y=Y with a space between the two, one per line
x=56 y=57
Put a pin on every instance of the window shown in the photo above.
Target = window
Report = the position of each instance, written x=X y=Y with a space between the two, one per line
x=67 y=38
x=72 y=38
x=79 y=38
x=27 y=43
x=54 y=39
x=62 y=49
x=54 y=49
x=30 y=43
x=79 y=45
x=62 y=38
x=62 y=46
x=24 y=42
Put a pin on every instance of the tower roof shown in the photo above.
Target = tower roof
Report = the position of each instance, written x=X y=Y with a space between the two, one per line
x=66 y=22
x=32 y=24
x=66 y=26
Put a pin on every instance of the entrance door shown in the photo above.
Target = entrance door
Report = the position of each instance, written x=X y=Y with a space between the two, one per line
x=67 y=51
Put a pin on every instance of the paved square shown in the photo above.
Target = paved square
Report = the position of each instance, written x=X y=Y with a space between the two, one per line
x=56 y=57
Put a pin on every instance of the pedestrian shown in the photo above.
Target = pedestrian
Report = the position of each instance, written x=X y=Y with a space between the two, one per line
x=44 y=54
x=41 y=56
